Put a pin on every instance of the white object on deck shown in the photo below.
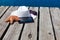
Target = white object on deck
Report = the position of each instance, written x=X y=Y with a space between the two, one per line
x=33 y=16
x=22 y=12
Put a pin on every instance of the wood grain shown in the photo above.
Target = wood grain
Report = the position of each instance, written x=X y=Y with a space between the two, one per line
x=13 y=32
x=45 y=28
x=3 y=9
x=3 y=24
x=55 y=12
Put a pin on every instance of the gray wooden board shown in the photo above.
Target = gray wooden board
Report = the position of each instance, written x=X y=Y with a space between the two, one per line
x=3 y=24
x=30 y=29
x=45 y=28
x=55 y=12
x=2 y=9
x=13 y=32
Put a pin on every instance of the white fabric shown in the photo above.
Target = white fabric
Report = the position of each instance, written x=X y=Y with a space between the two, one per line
x=33 y=16
x=22 y=12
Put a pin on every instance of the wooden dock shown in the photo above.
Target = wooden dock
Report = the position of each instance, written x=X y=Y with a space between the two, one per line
x=45 y=27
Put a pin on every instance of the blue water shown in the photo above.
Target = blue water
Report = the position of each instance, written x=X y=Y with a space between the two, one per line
x=44 y=3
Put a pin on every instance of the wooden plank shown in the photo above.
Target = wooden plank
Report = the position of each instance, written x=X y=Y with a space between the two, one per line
x=3 y=9
x=13 y=32
x=45 y=29
x=55 y=12
x=3 y=24
x=30 y=29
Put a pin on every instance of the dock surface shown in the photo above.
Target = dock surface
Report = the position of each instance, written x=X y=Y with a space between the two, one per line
x=45 y=27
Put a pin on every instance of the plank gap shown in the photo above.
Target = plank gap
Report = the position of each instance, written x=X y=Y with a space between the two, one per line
x=5 y=31
x=4 y=12
x=21 y=32
x=52 y=25
x=4 y=27
x=38 y=23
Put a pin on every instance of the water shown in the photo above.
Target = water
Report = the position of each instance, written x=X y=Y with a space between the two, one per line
x=44 y=3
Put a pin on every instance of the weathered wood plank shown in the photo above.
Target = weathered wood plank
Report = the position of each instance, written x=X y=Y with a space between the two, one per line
x=30 y=29
x=45 y=29
x=13 y=32
x=55 y=12
x=3 y=9
x=3 y=24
